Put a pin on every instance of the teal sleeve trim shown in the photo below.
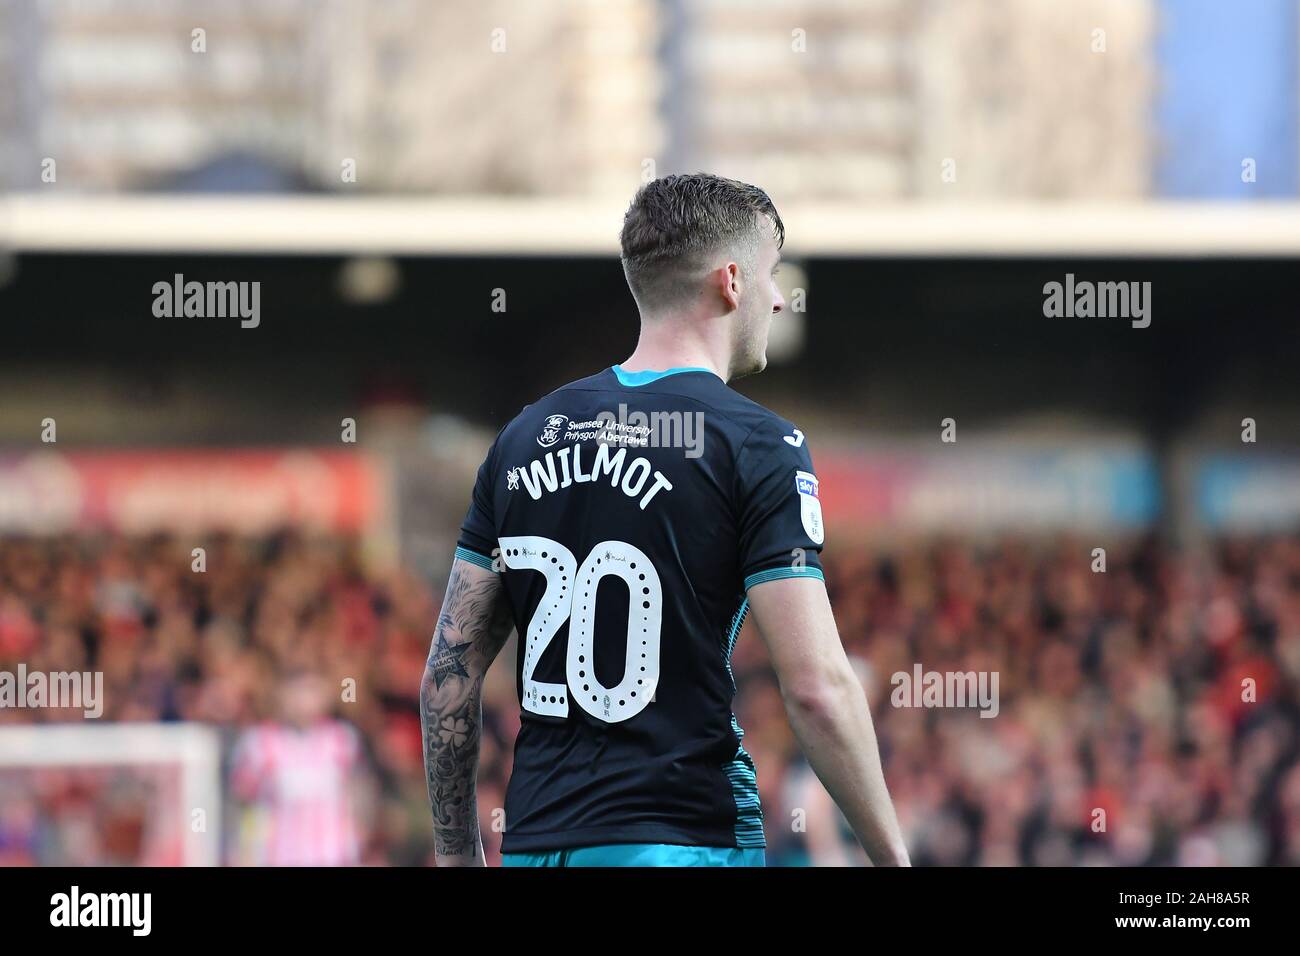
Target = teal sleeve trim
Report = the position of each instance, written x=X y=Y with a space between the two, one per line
x=776 y=574
x=473 y=557
x=646 y=376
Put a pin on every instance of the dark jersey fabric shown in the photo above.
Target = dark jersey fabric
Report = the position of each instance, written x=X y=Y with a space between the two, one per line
x=626 y=547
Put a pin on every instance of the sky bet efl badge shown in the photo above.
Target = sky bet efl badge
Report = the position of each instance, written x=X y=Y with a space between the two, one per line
x=810 y=506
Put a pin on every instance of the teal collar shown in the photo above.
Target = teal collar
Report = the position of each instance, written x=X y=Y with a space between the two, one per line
x=646 y=376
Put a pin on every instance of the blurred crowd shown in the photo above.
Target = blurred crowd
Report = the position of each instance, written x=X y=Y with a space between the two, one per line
x=1147 y=713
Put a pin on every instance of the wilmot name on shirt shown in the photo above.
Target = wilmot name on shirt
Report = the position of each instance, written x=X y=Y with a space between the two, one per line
x=565 y=467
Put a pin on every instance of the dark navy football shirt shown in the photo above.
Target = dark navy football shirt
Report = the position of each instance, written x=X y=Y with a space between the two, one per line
x=629 y=513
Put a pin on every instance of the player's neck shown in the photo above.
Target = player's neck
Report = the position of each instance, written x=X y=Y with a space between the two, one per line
x=668 y=347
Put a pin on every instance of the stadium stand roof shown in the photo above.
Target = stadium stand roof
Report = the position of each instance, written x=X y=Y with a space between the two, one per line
x=496 y=226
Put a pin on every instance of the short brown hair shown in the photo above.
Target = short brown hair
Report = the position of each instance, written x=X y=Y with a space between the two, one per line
x=674 y=220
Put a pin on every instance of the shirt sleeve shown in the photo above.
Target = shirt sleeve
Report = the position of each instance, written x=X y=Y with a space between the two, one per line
x=781 y=530
x=478 y=532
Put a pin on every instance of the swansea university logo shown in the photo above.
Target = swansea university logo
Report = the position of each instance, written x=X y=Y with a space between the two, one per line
x=554 y=428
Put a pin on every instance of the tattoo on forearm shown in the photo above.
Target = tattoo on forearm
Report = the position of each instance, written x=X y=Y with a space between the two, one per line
x=446 y=660
x=451 y=741
x=472 y=626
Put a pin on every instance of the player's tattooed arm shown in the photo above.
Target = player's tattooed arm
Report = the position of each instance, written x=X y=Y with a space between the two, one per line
x=472 y=627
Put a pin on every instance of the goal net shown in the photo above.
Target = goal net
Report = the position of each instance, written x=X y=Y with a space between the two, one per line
x=110 y=794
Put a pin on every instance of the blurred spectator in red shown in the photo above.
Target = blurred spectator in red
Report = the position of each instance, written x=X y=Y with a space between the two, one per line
x=299 y=775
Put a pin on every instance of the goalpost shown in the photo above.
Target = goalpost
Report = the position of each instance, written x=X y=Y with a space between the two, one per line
x=189 y=753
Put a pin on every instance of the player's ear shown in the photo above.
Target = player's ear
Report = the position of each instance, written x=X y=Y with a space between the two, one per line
x=727 y=278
